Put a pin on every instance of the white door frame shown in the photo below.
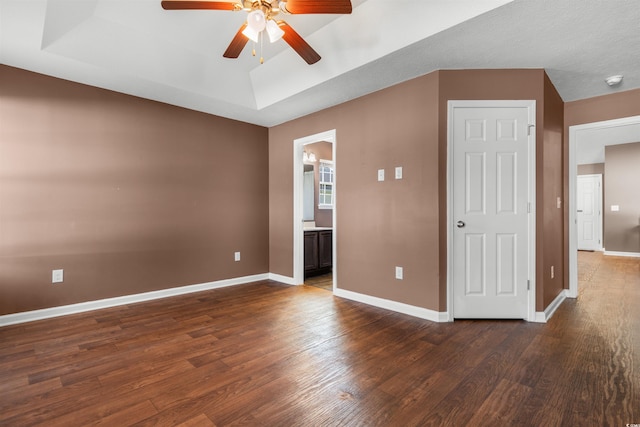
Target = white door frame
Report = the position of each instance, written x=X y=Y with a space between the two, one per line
x=574 y=139
x=531 y=105
x=599 y=200
x=298 y=179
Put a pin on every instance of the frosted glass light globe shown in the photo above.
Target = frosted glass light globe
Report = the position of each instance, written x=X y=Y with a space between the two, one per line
x=256 y=20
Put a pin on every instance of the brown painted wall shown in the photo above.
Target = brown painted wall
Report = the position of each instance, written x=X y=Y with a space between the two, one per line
x=591 y=169
x=126 y=195
x=622 y=189
x=552 y=171
x=380 y=225
x=123 y=194
x=599 y=108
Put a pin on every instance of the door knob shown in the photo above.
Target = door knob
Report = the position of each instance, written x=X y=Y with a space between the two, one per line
x=460 y=224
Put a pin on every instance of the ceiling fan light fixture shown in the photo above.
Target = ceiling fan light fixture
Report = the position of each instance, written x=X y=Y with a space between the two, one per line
x=274 y=31
x=251 y=34
x=261 y=16
x=256 y=20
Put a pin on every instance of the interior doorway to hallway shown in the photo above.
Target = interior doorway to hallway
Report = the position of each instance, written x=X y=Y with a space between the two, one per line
x=611 y=132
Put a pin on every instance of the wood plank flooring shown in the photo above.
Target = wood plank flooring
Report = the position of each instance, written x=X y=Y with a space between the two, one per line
x=267 y=354
x=324 y=281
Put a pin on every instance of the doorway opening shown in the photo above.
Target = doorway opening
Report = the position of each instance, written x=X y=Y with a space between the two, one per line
x=582 y=138
x=314 y=218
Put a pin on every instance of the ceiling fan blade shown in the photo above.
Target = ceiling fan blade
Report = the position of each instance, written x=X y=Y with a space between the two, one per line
x=317 y=6
x=298 y=44
x=237 y=44
x=199 y=4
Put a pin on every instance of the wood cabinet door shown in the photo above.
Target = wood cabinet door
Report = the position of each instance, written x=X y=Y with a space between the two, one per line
x=310 y=250
x=325 y=248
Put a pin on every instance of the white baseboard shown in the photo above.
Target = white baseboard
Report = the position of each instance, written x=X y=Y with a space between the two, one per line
x=626 y=254
x=544 y=316
x=411 y=310
x=46 y=313
x=283 y=279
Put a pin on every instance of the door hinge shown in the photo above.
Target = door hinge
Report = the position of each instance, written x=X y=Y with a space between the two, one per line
x=529 y=129
x=529 y=207
x=528 y=284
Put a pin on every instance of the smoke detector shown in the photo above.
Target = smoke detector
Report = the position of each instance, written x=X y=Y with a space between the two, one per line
x=614 y=80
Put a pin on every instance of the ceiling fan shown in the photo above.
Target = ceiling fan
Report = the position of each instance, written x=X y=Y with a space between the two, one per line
x=261 y=17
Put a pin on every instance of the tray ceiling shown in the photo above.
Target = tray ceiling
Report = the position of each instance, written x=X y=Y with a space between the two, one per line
x=136 y=47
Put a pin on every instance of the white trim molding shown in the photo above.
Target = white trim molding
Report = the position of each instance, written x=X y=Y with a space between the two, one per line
x=544 y=316
x=624 y=254
x=283 y=279
x=47 y=313
x=399 y=307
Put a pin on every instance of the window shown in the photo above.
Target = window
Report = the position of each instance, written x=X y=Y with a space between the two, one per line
x=325 y=185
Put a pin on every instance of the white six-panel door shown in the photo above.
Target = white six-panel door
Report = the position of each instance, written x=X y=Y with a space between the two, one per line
x=490 y=211
x=589 y=212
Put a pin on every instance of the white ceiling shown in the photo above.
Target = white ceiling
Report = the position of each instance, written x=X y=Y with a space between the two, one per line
x=593 y=140
x=136 y=47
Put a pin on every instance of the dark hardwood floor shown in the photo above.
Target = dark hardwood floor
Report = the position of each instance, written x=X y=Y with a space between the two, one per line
x=274 y=355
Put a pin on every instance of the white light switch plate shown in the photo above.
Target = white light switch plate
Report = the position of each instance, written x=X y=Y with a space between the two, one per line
x=380 y=174
x=399 y=172
x=57 y=276
x=615 y=208
x=399 y=273
x=236 y=256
